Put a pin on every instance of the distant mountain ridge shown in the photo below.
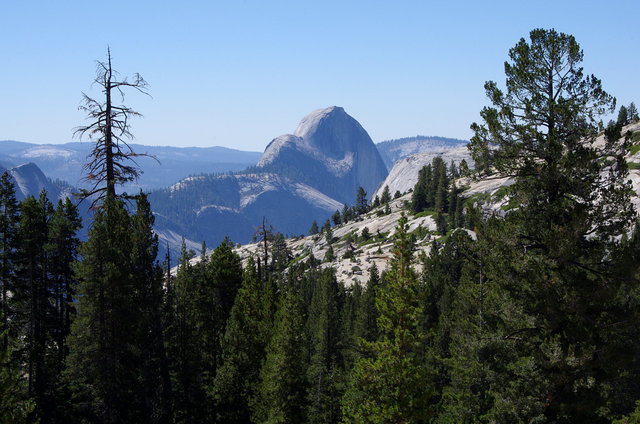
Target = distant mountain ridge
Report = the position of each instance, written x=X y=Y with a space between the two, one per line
x=394 y=150
x=299 y=178
x=65 y=161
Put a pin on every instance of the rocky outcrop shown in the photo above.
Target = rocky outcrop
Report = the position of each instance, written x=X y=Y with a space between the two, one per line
x=329 y=151
x=395 y=150
x=29 y=180
x=404 y=174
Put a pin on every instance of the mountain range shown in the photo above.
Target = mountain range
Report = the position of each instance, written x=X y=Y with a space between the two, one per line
x=65 y=161
x=300 y=177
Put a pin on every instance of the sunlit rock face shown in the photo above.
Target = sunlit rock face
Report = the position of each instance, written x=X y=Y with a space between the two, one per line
x=329 y=151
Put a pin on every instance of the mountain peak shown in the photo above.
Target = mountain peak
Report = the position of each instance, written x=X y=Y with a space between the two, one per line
x=329 y=151
x=309 y=123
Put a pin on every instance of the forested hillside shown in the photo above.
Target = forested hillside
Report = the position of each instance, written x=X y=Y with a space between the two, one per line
x=517 y=306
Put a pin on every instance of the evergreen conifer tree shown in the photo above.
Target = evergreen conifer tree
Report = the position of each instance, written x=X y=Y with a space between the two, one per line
x=14 y=407
x=103 y=360
x=9 y=219
x=386 y=196
x=324 y=372
x=243 y=348
x=558 y=248
x=282 y=389
x=390 y=383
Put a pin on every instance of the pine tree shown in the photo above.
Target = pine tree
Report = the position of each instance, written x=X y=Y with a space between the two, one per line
x=633 y=112
x=453 y=171
x=62 y=252
x=32 y=299
x=9 y=219
x=155 y=397
x=365 y=327
x=215 y=291
x=314 y=228
x=243 y=348
x=420 y=190
x=181 y=335
x=376 y=202
x=324 y=374
x=362 y=204
x=623 y=116
x=557 y=250
x=281 y=255
x=111 y=158
x=103 y=365
x=336 y=218
x=391 y=383
x=464 y=168
x=14 y=408
x=283 y=386
x=329 y=255
x=386 y=196
x=442 y=188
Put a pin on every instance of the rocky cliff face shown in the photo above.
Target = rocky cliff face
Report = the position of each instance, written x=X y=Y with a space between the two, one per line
x=329 y=151
x=29 y=180
x=395 y=150
x=404 y=174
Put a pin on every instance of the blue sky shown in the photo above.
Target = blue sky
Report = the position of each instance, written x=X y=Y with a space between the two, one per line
x=238 y=73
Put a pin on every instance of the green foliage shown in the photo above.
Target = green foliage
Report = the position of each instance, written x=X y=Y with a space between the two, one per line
x=432 y=193
x=362 y=204
x=632 y=418
x=464 y=168
x=116 y=369
x=324 y=373
x=329 y=255
x=14 y=406
x=386 y=196
x=9 y=219
x=242 y=350
x=546 y=267
x=623 y=116
x=102 y=362
x=282 y=388
x=390 y=383
x=633 y=165
x=281 y=255
x=632 y=112
x=336 y=218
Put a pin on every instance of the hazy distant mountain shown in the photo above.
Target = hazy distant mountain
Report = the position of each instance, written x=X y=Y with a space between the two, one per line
x=329 y=151
x=301 y=177
x=394 y=150
x=29 y=180
x=208 y=208
x=65 y=161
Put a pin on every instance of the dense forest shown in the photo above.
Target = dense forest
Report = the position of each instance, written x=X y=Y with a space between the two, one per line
x=529 y=315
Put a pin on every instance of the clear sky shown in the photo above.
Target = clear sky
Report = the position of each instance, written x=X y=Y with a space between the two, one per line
x=238 y=73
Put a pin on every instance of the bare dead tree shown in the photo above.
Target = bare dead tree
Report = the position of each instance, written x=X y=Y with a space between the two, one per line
x=112 y=160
